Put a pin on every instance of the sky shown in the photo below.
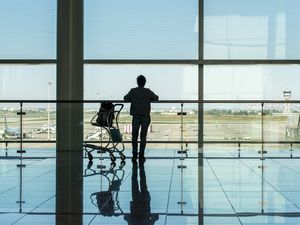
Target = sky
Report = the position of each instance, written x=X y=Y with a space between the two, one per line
x=156 y=29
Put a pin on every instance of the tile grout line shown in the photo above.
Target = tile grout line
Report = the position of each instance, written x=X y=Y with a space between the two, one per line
x=32 y=210
x=169 y=194
x=286 y=167
x=270 y=185
x=16 y=186
x=16 y=169
x=223 y=191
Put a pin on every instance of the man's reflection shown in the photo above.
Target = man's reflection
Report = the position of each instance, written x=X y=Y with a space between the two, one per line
x=140 y=210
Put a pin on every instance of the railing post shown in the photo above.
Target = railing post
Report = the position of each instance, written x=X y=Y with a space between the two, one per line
x=291 y=150
x=262 y=158
x=239 y=149
x=181 y=113
x=181 y=126
x=21 y=165
x=6 y=148
x=262 y=151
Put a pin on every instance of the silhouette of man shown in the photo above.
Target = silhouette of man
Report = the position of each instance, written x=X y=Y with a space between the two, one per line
x=140 y=98
x=140 y=209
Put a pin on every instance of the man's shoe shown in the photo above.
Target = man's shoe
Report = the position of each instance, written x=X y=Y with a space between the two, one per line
x=142 y=161
x=141 y=156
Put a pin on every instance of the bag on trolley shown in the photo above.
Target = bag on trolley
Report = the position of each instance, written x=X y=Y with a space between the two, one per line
x=105 y=116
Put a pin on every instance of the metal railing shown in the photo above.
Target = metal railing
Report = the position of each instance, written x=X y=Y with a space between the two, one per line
x=199 y=108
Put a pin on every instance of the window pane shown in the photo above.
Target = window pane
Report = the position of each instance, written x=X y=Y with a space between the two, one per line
x=28 y=29
x=27 y=82
x=135 y=29
x=170 y=82
x=251 y=82
x=114 y=81
x=243 y=122
x=252 y=29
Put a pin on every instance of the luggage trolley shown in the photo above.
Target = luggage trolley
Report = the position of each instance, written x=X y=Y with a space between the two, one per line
x=107 y=118
x=107 y=201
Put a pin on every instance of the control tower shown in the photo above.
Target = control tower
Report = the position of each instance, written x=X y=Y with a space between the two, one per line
x=287 y=94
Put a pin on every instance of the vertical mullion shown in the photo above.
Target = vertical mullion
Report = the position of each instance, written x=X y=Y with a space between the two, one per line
x=200 y=72
x=69 y=116
x=200 y=111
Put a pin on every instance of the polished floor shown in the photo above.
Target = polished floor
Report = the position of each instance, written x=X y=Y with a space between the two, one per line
x=163 y=190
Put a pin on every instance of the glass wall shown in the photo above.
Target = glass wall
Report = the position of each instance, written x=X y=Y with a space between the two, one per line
x=160 y=39
x=136 y=29
x=28 y=29
x=252 y=82
x=131 y=31
x=169 y=82
x=28 y=82
x=238 y=29
x=243 y=122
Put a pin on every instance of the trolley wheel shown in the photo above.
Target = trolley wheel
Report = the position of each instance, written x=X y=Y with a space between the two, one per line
x=122 y=156
x=122 y=164
x=112 y=157
x=90 y=156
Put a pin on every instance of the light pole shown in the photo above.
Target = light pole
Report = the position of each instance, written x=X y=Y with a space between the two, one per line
x=49 y=84
x=98 y=97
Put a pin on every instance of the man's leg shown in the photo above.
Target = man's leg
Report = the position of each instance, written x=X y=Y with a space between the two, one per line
x=135 y=134
x=144 y=129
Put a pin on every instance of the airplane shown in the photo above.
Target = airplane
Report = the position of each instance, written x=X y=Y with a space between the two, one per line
x=10 y=132
x=52 y=129
x=44 y=129
x=96 y=134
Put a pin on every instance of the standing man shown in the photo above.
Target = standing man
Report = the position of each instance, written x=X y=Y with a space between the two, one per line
x=140 y=98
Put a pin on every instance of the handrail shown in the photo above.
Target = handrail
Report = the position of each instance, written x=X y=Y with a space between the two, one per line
x=160 y=101
x=239 y=142
x=163 y=142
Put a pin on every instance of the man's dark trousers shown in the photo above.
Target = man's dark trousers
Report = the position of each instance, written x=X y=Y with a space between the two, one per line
x=138 y=121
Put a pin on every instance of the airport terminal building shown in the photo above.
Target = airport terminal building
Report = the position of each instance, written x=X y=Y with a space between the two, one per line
x=223 y=134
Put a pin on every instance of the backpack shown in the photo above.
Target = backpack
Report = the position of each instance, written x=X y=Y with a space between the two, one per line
x=105 y=114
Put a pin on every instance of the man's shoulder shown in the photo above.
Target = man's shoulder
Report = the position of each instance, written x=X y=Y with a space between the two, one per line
x=140 y=89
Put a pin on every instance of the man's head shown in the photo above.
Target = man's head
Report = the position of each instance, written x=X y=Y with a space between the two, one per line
x=141 y=81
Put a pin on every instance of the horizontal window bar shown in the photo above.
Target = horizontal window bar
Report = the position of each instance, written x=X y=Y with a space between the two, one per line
x=164 y=142
x=157 y=61
x=161 y=101
x=160 y=157
x=28 y=61
x=241 y=214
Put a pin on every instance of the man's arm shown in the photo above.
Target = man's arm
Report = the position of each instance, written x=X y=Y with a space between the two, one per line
x=127 y=98
x=153 y=97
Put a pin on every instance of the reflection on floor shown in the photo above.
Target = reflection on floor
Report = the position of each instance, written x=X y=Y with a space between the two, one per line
x=161 y=191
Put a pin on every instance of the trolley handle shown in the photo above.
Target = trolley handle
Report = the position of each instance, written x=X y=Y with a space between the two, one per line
x=117 y=112
x=91 y=122
x=120 y=105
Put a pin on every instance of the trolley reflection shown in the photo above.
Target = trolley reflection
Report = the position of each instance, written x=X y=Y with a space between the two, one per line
x=107 y=201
